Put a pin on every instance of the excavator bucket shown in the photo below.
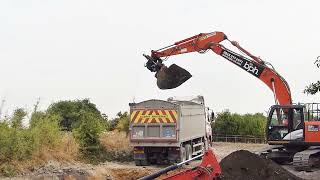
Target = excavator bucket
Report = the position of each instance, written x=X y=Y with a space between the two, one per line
x=172 y=77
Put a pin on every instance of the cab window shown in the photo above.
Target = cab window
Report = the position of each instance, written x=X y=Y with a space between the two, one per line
x=297 y=119
x=279 y=117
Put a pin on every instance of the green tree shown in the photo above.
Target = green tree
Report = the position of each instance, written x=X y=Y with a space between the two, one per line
x=71 y=112
x=225 y=124
x=16 y=119
x=88 y=131
x=36 y=117
x=235 y=124
x=313 y=88
x=123 y=122
x=45 y=130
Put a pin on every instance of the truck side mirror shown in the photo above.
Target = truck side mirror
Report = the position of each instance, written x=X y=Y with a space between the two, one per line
x=212 y=116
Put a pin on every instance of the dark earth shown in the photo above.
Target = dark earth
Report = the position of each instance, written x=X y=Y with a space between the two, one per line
x=244 y=165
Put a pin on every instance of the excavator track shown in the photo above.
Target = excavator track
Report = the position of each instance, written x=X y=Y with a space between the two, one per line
x=305 y=160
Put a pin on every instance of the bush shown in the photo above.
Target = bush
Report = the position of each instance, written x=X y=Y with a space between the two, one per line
x=18 y=115
x=236 y=124
x=116 y=146
x=115 y=141
x=22 y=145
x=88 y=131
x=123 y=122
x=46 y=132
x=15 y=144
x=7 y=170
x=5 y=141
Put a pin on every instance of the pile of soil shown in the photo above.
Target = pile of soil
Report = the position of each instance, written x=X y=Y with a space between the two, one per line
x=243 y=164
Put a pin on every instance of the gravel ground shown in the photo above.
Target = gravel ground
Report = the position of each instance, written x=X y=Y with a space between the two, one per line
x=116 y=170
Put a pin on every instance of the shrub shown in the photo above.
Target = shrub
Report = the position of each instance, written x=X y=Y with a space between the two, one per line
x=88 y=131
x=16 y=119
x=8 y=170
x=21 y=145
x=66 y=150
x=115 y=146
x=46 y=132
x=115 y=141
x=236 y=124
x=121 y=122
x=15 y=144
x=5 y=141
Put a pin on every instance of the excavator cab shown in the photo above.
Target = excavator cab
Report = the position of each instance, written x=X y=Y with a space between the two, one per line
x=294 y=124
x=295 y=132
x=285 y=124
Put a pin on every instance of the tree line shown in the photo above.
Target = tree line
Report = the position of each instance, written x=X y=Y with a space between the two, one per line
x=227 y=123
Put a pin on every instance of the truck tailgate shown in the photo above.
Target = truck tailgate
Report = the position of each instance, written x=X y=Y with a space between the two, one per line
x=153 y=124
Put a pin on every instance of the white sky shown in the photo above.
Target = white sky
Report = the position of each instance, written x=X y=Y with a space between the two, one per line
x=61 y=50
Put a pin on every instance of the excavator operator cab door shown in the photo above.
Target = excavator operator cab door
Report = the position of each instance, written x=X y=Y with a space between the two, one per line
x=284 y=124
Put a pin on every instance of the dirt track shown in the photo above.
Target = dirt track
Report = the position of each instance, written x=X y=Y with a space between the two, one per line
x=115 y=170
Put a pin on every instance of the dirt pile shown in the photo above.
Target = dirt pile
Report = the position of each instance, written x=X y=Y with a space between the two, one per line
x=243 y=164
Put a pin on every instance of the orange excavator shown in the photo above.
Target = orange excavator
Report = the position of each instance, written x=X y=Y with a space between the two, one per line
x=292 y=130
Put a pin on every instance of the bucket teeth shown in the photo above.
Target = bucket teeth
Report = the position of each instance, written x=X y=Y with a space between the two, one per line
x=172 y=77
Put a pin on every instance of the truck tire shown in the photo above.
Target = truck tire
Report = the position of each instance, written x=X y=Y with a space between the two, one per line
x=188 y=151
x=137 y=162
x=182 y=154
x=144 y=162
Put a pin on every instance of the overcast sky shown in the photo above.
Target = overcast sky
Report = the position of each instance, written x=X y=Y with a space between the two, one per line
x=74 y=49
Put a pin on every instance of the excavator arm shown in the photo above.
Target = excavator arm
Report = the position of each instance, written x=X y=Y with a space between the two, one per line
x=174 y=76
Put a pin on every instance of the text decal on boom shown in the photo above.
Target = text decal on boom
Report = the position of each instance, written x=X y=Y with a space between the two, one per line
x=317 y=62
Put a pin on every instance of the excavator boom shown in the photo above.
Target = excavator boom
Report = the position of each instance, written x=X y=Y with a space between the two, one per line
x=174 y=76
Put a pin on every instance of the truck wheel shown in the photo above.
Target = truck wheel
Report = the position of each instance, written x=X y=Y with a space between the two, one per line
x=137 y=162
x=182 y=154
x=144 y=162
x=188 y=151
